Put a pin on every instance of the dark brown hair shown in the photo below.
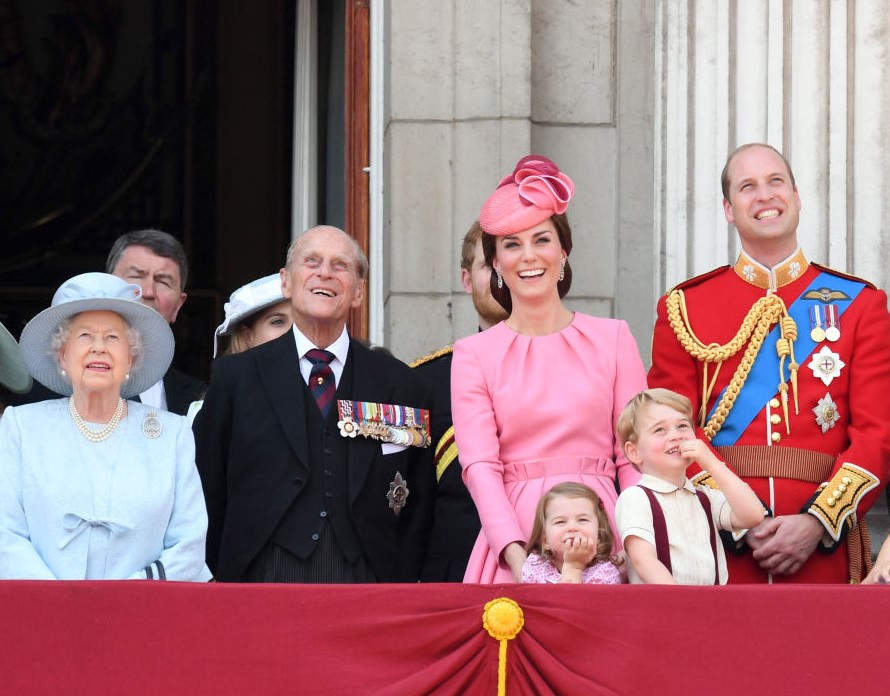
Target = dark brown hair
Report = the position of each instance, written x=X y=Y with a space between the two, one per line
x=159 y=243
x=489 y=248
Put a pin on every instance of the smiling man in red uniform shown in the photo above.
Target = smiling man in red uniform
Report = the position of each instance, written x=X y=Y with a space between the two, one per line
x=788 y=364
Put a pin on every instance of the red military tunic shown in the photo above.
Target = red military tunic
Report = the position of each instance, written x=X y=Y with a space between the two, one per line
x=842 y=427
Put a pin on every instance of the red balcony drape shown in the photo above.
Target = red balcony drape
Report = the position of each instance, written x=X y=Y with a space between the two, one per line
x=178 y=638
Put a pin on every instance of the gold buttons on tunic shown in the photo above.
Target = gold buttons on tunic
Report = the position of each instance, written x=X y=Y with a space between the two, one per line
x=774 y=403
x=775 y=419
x=775 y=437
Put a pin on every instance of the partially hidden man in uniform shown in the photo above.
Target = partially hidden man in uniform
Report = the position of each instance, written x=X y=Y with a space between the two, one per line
x=456 y=521
x=788 y=363
x=308 y=479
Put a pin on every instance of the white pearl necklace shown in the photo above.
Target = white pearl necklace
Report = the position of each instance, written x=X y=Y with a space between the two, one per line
x=96 y=435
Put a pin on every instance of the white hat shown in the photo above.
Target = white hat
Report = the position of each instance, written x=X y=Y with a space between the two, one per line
x=13 y=371
x=92 y=292
x=247 y=300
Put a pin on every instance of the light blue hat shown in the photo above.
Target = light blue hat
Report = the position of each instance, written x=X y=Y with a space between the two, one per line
x=91 y=292
x=13 y=371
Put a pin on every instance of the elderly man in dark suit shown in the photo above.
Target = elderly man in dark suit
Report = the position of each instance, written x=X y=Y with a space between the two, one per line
x=301 y=484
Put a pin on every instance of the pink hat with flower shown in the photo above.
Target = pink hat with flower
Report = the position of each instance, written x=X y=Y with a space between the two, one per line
x=534 y=191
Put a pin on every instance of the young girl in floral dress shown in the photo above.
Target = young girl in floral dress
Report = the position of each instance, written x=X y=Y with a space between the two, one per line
x=571 y=540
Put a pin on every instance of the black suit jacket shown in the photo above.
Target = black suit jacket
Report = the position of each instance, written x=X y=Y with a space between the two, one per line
x=252 y=455
x=181 y=389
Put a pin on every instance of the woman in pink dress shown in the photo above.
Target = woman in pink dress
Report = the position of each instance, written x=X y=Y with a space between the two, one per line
x=536 y=397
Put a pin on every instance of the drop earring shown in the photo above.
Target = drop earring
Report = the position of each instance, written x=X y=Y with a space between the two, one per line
x=500 y=280
x=562 y=271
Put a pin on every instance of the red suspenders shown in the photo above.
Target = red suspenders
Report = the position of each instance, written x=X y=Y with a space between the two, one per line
x=662 y=543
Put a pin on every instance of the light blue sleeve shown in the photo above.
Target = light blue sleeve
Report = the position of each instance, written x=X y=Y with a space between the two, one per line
x=19 y=558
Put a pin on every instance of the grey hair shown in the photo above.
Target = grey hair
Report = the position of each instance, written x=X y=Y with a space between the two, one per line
x=134 y=337
x=361 y=261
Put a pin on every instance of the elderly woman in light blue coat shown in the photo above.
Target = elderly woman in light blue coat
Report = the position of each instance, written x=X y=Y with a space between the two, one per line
x=94 y=486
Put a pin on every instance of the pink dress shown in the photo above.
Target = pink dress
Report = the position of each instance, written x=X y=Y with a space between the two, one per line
x=532 y=411
x=542 y=570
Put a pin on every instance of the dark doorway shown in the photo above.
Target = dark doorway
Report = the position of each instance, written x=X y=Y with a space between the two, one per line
x=117 y=116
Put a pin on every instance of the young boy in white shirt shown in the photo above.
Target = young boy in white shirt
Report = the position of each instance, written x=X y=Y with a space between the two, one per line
x=668 y=526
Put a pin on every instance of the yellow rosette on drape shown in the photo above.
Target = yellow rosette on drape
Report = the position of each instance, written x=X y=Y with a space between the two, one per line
x=503 y=620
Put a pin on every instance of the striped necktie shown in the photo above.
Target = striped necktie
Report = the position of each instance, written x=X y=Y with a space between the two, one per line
x=321 y=378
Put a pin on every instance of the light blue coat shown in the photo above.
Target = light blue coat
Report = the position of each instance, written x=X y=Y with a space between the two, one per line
x=71 y=509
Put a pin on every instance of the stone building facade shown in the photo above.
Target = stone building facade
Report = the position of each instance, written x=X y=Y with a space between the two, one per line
x=639 y=101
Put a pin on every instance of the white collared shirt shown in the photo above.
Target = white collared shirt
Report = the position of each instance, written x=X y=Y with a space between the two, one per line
x=340 y=349
x=692 y=561
x=155 y=396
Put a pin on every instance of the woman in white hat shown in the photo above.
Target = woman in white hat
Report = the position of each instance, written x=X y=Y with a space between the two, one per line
x=93 y=486
x=255 y=313
x=13 y=373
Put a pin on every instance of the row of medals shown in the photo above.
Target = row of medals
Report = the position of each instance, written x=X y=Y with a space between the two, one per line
x=397 y=435
x=819 y=333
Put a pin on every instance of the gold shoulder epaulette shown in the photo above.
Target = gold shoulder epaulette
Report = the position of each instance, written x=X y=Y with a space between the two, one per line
x=695 y=280
x=832 y=271
x=432 y=356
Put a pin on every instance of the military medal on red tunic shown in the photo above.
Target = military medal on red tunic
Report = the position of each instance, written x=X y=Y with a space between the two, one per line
x=826 y=365
x=826 y=413
x=817 y=333
x=833 y=322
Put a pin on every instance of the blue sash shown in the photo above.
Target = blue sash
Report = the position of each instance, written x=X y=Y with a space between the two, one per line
x=761 y=384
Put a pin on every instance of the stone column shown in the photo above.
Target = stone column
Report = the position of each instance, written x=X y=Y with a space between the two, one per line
x=473 y=86
x=807 y=77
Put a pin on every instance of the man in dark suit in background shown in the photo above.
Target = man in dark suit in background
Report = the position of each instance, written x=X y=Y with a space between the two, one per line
x=297 y=487
x=156 y=262
x=456 y=522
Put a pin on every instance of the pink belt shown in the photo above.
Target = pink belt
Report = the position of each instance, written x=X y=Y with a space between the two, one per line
x=555 y=466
